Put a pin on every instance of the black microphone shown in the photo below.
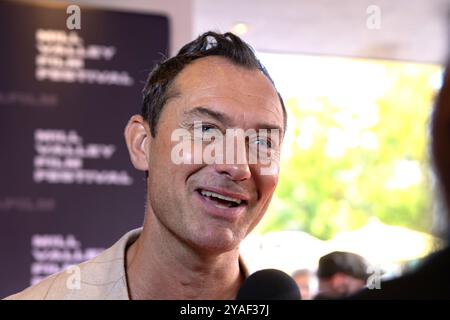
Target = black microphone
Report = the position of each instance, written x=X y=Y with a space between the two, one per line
x=269 y=284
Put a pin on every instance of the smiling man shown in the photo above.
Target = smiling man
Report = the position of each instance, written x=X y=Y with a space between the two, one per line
x=197 y=212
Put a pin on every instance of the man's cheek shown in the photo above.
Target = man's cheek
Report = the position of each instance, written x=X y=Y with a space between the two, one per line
x=270 y=166
x=269 y=180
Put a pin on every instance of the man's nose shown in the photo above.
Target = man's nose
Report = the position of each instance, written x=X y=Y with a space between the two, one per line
x=234 y=162
x=236 y=172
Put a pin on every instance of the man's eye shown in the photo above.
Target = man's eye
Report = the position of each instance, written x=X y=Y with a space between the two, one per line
x=205 y=131
x=207 y=128
x=263 y=142
x=200 y=127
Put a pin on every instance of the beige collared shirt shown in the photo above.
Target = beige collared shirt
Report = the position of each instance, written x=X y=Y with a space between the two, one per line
x=102 y=278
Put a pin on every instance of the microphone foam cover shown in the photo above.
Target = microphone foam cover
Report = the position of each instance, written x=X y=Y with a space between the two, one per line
x=269 y=284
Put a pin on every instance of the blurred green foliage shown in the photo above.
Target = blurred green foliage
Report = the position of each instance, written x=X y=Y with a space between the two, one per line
x=348 y=159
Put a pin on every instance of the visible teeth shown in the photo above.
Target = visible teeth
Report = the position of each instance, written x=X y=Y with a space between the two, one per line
x=216 y=195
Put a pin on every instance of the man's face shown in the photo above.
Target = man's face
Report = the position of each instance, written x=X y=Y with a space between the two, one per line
x=340 y=285
x=304 y=284
x=212 y=207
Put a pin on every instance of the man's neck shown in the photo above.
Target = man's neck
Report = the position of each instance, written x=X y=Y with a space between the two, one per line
x=160 y=267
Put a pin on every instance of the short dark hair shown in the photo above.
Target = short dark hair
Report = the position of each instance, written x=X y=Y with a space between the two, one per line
x=156 y=91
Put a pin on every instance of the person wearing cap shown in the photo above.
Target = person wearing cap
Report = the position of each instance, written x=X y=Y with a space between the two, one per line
x=341 y=274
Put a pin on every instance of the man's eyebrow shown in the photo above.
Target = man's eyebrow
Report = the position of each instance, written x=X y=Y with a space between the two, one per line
x=223 y=118
x=204 y=111
x=269 y=126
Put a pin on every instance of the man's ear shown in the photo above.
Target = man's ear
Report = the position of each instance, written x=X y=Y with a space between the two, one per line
x=137 y=137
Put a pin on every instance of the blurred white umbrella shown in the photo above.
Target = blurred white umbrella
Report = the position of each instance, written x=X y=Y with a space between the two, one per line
x=384 y=244
x=284 y=250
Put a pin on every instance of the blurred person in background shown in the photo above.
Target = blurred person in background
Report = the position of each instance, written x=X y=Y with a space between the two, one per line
x=341 y=274
x=303 y=278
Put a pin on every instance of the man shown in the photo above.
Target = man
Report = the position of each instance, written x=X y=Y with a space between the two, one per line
x=197 y=212
x=303 y=278
x=341 y=274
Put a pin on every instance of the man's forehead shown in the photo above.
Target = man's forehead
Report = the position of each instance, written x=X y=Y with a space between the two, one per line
x=221 y=66
x=221 y=72
x=215 y=78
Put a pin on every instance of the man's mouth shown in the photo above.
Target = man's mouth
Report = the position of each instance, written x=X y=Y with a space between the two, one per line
x=221 y=200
